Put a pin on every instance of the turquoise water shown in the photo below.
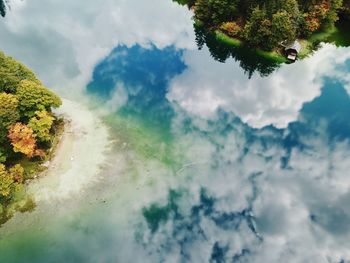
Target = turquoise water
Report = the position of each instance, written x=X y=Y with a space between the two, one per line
x=211 y=162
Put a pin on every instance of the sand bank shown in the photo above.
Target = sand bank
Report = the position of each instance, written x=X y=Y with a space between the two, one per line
x=78 y=157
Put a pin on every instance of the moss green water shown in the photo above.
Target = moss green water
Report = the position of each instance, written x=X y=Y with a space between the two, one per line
x=148 y=141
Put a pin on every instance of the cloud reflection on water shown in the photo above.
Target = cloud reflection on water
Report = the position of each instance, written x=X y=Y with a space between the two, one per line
x=244 y=194
x=261 y=101
x=251 y=194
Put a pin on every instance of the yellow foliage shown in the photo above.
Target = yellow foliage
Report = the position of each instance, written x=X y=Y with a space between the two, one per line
x=6 y=181
x=17 y=173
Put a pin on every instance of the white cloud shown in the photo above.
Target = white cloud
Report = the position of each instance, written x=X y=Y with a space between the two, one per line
x=301 y=212
x=63 y=41
x=207 y=86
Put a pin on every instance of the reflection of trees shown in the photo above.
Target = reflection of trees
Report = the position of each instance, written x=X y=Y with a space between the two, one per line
x=249 y=60
x=2 y=8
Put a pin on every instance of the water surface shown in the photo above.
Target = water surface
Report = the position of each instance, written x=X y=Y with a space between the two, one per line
x=210 y=163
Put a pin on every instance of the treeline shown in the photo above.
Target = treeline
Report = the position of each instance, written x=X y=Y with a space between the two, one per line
x=267 y=23
x=26 y=125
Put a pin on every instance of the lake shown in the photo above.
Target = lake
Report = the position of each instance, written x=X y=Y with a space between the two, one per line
x=214 y=156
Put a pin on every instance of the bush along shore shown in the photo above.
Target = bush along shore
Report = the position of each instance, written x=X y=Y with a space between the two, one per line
x=269 y=27
x=29 y=133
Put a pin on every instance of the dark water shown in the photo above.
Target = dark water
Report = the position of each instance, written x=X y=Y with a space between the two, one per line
x=220 y=163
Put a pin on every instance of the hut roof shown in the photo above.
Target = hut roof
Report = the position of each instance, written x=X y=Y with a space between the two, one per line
x=294 y=46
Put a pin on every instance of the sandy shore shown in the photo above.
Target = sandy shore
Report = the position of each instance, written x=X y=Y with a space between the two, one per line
x=72 y=172
x=78 y=157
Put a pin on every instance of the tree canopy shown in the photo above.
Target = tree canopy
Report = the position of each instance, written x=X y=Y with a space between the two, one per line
x=26 y=124
x=266 y=23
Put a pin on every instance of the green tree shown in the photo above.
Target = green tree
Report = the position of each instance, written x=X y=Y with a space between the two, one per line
x=17 y=173
x=6 y=181
x=12 y=72
x=35 y=97
x=283 y=28
x=215 y=12
x=258 y=30
x=3 y=155
x=41 y=124
x=332 y=16
x=10 y=180
x=8 y=109
x=9 y=114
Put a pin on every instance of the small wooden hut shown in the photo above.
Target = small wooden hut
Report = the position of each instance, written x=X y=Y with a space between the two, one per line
x=292 y=50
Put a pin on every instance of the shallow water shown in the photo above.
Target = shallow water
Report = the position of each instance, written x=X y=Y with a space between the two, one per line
x=208 y=163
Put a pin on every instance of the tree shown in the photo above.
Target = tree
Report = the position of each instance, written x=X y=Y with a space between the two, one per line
x=3 y=155
x=332 y=16
x=22 y=139
x=346 y=8
x=35 y=97
x=283 y=28
x=8 y=114
x=258 y=30
x=11 y=180
x=232 y=29
x=41 y=124
x=12 y=72
x=25 y=120
x=6 y=181
x=214 y=12
x=17 y=173
x=268 y=22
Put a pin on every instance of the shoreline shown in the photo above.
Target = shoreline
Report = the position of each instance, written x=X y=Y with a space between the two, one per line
x=75 y=162
x=74 y=167
x=334 y=35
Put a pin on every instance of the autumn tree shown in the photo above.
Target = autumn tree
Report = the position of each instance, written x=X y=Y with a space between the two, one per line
x=22 y=139
x=26 y=120
x=266 y=23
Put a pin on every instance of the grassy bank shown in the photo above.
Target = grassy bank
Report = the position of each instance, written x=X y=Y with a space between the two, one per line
x=269 y=55
x=338 y=35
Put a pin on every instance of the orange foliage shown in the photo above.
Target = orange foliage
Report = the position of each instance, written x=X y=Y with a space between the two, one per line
x=22 y=139
x=316 y=15
x=312 y=24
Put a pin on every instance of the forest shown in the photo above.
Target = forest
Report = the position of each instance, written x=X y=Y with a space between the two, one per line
x=27 y=131
x=265 y=24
